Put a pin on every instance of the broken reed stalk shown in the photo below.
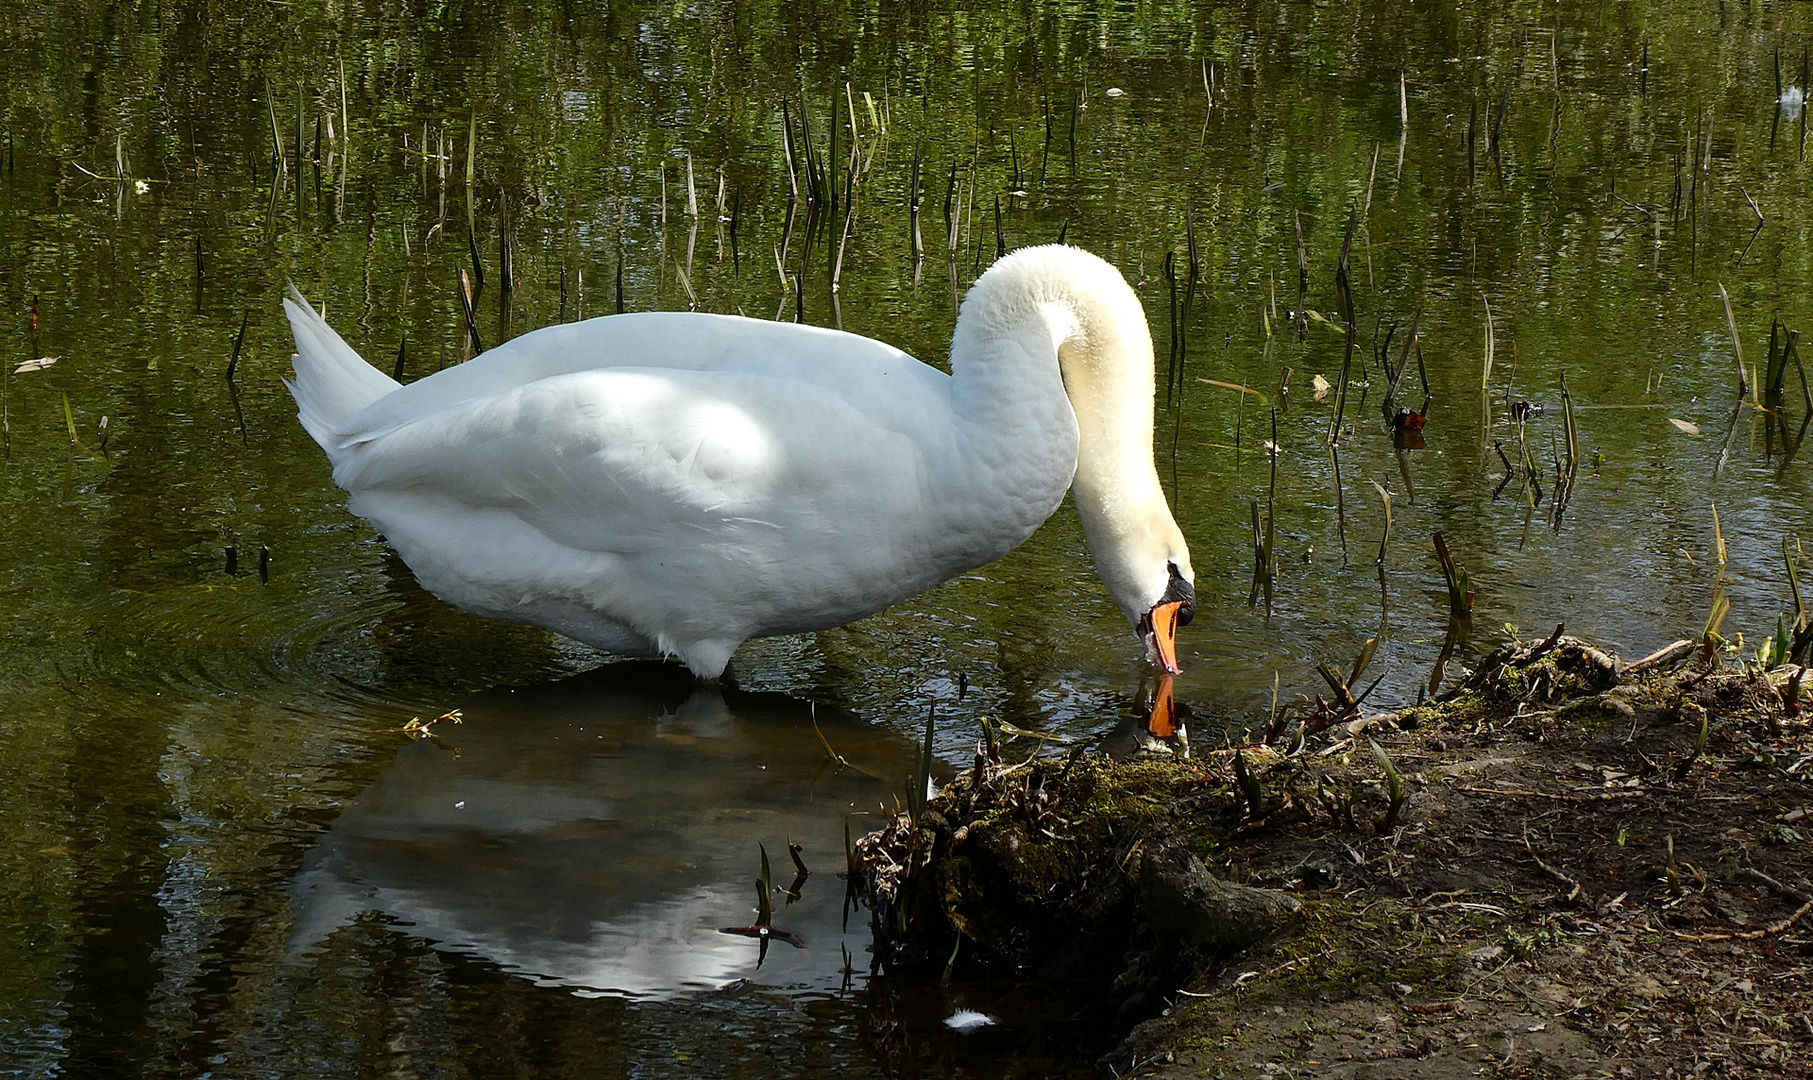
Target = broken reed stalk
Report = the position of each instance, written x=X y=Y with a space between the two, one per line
x=1045 y=149
x=1775 y=379
x=1189 y=292
x=1422 y=370
x=843 y=237
x=831 y=159
x=1498 y=126
x=1720 y=606
x=1485 y=375
x=1344 y=297
x=1801 y=617
x=346 y=124
x=471 y=150
x=1334 y=460
x=1754 y=233
x=1271 y=517
x=1458 y=631
x=1252 y=795
x=239 y=341
x=913 y=198
x=764 y=890
x=471 y=316
x=1699 y=749
x=787 y=150
x=1346 y=704
x=1800 y=635
x=1394 y=784
x=922 y=770
x=815 y=177
x=1274 y=725
x=1396 y=377
x=1371 y=179
x=1264 y=533
x=1473 y=139
x=1385 y=537
x=952 y=211
x=1567 y=462
x=478 y=265
x=1460 y=587
x=506 y=263
x=1261 y=559
x=736 y=218
x=299 y=158
x=1170 y=271
x=277 y=163
x=692 y=298
x=1792 y=352
x=1737 y=345
x=855 y=136
x=1532 y=483
x=1301 y=314
x=1737 y=413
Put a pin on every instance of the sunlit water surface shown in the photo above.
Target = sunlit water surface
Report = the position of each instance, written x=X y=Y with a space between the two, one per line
x=223 y=856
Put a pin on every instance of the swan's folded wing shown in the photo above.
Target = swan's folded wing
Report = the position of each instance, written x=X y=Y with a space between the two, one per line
x=629 y=460
x=659 y=341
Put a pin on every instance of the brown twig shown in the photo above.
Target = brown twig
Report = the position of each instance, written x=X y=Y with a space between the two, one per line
x=1787 y=891
x=1667 y=654
x=1749 y=935
x=1605 y=796
x=1575 y=891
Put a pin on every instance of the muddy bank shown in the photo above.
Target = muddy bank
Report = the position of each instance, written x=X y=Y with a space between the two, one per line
x=1574 y=866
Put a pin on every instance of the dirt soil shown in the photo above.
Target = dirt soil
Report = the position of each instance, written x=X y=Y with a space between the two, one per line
x=1592 y=871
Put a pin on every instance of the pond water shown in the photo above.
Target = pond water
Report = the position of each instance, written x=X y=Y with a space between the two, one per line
x=224 y=857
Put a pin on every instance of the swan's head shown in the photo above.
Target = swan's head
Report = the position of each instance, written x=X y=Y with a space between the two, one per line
x=1158 y=626
x=1147 y=570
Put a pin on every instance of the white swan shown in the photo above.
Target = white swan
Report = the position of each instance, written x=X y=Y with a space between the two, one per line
x=675 y=483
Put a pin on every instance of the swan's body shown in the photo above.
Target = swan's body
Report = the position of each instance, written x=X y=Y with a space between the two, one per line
x=673 y=483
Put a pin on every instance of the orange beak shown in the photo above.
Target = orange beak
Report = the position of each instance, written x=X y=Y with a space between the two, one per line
x=1161 y=635
x=1161 y=722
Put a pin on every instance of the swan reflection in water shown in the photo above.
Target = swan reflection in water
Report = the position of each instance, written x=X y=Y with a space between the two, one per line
x=600 y=832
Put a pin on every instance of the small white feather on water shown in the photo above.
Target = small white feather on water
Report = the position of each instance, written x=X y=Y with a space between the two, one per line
x=969 y=1020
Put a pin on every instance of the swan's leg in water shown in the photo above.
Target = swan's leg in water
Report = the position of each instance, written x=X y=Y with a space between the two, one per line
x=725 y=681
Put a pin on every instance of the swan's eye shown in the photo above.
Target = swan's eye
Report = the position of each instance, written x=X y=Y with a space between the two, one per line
x=1181 y=589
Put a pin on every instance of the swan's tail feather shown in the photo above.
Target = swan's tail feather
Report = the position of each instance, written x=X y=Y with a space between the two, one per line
x=333 y=383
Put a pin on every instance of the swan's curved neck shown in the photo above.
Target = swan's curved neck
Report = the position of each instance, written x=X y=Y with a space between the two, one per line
x=1059 y=340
